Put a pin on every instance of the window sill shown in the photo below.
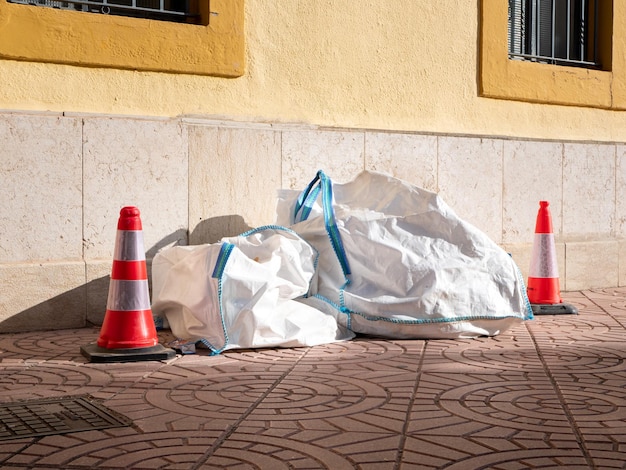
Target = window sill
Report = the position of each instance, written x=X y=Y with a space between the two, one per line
x=503 y=78
x=40 y=34
x=544 y=83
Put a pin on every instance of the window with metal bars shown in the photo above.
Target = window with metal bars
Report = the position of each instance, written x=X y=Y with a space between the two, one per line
x=182 y=11
x=560 y=32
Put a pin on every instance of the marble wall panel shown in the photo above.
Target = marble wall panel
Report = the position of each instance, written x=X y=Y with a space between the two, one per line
x=591 y=264
x=64 y=180
x=41 y=187
x=234 y=176
x=134 y=162
x=470 y=181
x=532 y=173
x=42 y=296
x=620 y=191
x=340 y=154
x=97 y=279
x=622 y=262
x=411 y=157
x=588 y=190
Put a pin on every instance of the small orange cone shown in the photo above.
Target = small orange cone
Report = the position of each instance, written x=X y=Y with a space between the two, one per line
x=544 y=292
x=128 y=333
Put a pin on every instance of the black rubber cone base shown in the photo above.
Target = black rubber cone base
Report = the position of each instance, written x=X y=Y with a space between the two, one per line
x=554 y=309
x=95 y=353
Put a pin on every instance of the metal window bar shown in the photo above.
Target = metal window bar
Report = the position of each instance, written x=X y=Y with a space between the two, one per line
x=554 y=31
x=168 y=10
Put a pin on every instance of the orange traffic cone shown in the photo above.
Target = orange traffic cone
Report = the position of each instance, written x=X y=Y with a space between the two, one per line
x=544 y=292
x=128 y=333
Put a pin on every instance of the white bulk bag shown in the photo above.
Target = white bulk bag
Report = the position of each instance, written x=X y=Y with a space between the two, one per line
x=240 y=293
x=396 y=261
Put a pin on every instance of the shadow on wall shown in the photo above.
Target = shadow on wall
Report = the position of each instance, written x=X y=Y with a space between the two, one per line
x=214 y=229
x=86 y=304
x=66 y=310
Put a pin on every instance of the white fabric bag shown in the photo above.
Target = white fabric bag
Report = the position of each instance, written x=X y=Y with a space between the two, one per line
x=396 y=261
x=240 y=293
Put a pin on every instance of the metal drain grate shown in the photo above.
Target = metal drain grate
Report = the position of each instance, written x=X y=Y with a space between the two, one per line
x=44 y=417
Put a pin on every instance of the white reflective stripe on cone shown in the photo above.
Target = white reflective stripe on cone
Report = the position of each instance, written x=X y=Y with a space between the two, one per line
x=129 y=246
x=128 y=295
x=543 y=262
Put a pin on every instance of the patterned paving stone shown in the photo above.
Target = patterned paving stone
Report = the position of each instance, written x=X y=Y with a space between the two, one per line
x=117 y=450
x=599 y=410
x=361 y=351
x=306 y=448
x=548 y=393
x=511 y=352
x=586 y=358
x=611 y=298
x=46 y=345
x=224 y=395
x=478 y=452
x=23 y=382
x=611 y=292
x=522 y=405
x=364 y=349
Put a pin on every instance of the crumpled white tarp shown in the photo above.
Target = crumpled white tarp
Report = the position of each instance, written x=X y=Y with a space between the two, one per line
x=374 y=256
x=240 y=293
x=396 y=261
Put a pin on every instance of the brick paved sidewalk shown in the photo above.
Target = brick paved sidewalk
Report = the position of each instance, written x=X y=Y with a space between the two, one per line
x=549 y=393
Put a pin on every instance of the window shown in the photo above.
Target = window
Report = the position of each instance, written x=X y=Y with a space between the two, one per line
x=583 y=64
x=560 y=32
x=62 y=35
x=182 y=11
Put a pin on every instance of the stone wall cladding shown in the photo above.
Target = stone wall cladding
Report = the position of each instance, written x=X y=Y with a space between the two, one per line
x=195 y=180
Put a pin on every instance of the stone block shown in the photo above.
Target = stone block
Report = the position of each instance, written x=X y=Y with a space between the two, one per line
x=591 y=264
x=42 y=296
x=234 y=176
x=411 y=157
x=470 y=181
x=340 y=154
x=532 y=173
x=134 y=162
x=588 y=190
x=41 y=181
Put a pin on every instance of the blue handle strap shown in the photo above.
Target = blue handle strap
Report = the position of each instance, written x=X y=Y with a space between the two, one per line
x=331 y=223
x=304 y=204
x=323 y=184
x=306 y=199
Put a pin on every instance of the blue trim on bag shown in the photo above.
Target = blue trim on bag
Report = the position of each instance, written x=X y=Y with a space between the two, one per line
x=342 y=289
x=339 y=308
x=306 y=205
x=306 y=199
x=218 y=272
x=421 y=321
x=310 y=201
x=331 y=224
x=252 y=231
x=214 y=350
x=322 y=183
x=222 y=258
x=417 y=321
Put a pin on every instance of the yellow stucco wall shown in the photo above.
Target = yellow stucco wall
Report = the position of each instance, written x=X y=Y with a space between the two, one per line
x=400 y=65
